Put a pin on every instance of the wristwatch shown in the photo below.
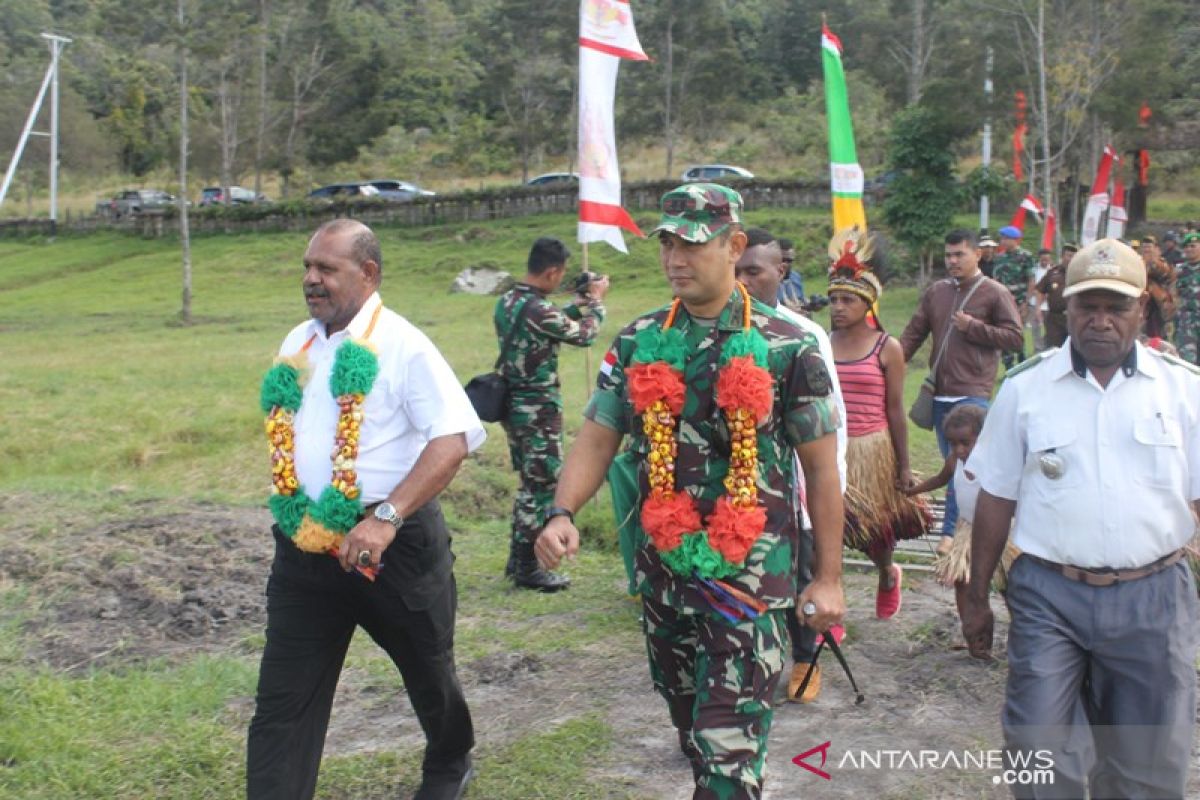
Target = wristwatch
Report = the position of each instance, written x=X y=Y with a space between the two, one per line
x=559 y=511
x=386 y=512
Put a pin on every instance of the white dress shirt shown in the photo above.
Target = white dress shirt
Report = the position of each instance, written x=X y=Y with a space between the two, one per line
x=826 y=349
x=416 y=397
x=1129 y=457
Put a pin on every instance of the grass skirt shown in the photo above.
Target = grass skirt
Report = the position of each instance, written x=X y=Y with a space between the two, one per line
x=955 y=566
x=877 y=515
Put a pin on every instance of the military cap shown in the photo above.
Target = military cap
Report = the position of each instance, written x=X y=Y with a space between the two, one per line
x=1010 y=232
x=1149 y=238
x=1170 y=236
x=1070 y=247
x=699 y=212
x=1188 y=238
x=988 y=241
x=1107 y=264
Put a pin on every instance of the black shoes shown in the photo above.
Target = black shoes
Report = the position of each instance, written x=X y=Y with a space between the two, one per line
x=528 y=574
x=445 y=788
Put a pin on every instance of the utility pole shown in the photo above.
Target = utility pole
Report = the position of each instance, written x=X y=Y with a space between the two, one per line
x=987 y=136
x=57 y=43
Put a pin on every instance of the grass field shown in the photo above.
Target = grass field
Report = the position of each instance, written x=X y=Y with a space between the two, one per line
x=111 y=408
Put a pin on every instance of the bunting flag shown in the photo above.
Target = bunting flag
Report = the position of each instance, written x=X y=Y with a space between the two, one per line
x=1029 y=204
x=1019 y=131
x=1117 y=214
x=606 y=35
x=1143 y=167
x=845 y=174
x=1098 y=201
x=1050 y=230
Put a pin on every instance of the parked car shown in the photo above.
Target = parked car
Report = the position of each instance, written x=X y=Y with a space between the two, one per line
x=135 y=201
x=554 y=179
x=708 y=172
x=400 y=191
x=343 y=191
x=215 y=195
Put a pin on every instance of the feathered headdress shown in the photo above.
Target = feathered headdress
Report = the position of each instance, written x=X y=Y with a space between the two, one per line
x=850 y=251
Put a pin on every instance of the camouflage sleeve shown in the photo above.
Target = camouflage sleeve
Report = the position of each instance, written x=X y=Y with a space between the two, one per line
x=808 y=406
x=608 y=405
x=553 y=322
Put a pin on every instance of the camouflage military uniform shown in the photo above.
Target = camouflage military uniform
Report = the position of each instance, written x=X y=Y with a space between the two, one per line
x=1013 y=270
x=1187 y=312
x=530 y=368
x=719 y=677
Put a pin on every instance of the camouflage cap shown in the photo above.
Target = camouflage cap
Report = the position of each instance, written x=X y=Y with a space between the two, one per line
x=1189 y=238
x=698 y=212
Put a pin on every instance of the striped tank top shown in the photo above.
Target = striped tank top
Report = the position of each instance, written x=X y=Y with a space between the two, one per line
x=864 y=391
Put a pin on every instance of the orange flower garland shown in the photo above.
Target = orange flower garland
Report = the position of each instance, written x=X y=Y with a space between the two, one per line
x=745 y=394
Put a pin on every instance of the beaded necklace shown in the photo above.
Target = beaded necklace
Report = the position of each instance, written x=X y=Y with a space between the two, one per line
x=716 y=547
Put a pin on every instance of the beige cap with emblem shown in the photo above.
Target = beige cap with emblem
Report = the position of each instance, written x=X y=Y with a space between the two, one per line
x=1108 y=265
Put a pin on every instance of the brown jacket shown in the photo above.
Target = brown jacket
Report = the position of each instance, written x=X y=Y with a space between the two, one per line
x=968 y=367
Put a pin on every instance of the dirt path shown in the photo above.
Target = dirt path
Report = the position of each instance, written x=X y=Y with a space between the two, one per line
x=176 y=582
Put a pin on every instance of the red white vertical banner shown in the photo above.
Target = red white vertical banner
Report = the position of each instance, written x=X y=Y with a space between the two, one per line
x=1097 y=203
x=606 y=35
x=1117 y=214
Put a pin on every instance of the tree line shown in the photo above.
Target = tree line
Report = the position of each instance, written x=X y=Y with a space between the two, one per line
x=282 y=88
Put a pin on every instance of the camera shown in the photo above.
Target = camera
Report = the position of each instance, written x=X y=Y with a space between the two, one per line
x=583 y=280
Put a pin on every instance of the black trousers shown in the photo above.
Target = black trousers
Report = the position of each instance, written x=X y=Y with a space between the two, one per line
x=313 y=608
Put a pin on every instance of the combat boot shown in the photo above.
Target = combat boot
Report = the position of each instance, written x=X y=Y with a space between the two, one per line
x=530 y=575
x=510 y=569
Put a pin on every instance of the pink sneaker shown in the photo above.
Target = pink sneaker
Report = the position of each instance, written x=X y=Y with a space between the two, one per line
x=838 y=632
x=887 y=601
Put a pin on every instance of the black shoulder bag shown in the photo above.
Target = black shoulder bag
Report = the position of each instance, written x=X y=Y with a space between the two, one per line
x=488 y=392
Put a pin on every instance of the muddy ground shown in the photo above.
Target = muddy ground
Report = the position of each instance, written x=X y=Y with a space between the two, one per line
x=176 y=582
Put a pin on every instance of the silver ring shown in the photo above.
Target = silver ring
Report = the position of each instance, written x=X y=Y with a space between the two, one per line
x=809 y=609
x=364 y=558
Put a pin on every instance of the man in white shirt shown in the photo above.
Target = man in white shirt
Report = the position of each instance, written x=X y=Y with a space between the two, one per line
x=1096 y=448
x=762 y=269
x=372 y=506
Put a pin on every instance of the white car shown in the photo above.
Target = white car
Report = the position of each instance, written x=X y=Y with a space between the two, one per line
x=708 y=172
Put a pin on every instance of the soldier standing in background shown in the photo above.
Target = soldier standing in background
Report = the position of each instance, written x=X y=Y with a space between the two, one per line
x=534 y=421
x=1187 y=290
x=1014 y=269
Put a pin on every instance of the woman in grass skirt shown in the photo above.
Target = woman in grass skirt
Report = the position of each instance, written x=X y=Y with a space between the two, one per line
x=870 y=367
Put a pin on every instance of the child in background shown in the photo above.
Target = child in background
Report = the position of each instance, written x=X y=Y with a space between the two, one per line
x=953 y=568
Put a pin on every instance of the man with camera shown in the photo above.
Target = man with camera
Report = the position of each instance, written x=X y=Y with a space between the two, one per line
x=533 y=422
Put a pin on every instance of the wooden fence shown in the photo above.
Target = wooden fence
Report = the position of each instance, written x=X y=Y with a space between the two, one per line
x=461 y=208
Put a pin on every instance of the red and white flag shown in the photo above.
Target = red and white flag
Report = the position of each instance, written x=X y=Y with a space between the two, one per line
x=1029 y=204
x=606 y=35
x=1117 y=215
x=1097 y=203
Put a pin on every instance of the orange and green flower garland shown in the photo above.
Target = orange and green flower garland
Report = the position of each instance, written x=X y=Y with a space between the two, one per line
x=317 y=527
x=690 y=547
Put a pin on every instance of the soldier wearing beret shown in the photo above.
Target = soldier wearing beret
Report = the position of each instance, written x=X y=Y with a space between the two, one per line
x=1095 y=447
x=714 y=394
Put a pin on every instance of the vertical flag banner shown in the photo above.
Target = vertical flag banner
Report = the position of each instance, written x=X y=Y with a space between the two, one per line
x=1098 y=201
x=606 y=35
x=1048 y=232
x=1117 y=214
x=1029 y=204
x=845 y=174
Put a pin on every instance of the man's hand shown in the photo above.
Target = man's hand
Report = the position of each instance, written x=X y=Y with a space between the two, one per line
x=961 y=320
x=830 y=602
x=559 y=538
x=370 y=535
x=977 y=623
x=596 y=289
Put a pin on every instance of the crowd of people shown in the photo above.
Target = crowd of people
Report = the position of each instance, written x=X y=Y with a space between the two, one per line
x=746 y=447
